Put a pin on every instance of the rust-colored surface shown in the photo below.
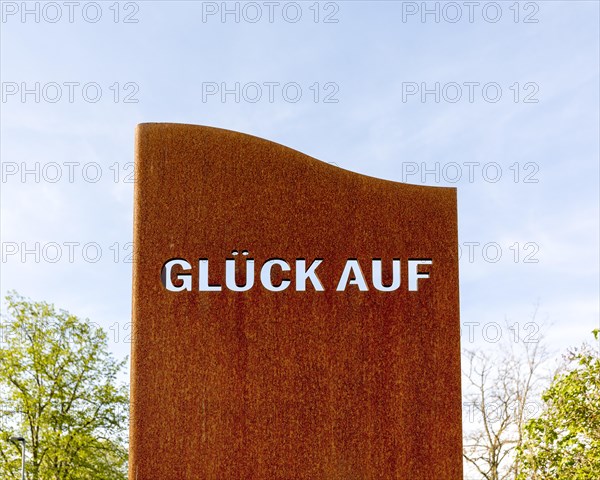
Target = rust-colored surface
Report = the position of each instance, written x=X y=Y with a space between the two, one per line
x=331 y=385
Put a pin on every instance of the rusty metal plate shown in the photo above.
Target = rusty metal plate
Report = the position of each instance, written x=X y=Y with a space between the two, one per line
x=321 y=367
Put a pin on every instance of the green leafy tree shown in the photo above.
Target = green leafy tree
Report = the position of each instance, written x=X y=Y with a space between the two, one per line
x=563 y=443
x=58 y=389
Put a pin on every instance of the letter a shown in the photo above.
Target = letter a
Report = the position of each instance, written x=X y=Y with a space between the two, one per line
x=352 y=266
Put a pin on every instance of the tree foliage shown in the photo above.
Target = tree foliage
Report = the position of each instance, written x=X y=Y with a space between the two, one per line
x=563 y=443
x=58 y=389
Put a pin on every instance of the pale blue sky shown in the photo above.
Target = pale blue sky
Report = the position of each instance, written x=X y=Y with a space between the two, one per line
x=369 y=54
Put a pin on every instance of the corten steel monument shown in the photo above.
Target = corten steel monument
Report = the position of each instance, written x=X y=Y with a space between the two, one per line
x=291 y=319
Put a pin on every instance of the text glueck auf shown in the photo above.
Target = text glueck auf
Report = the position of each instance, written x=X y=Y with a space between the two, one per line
x=177 y=275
